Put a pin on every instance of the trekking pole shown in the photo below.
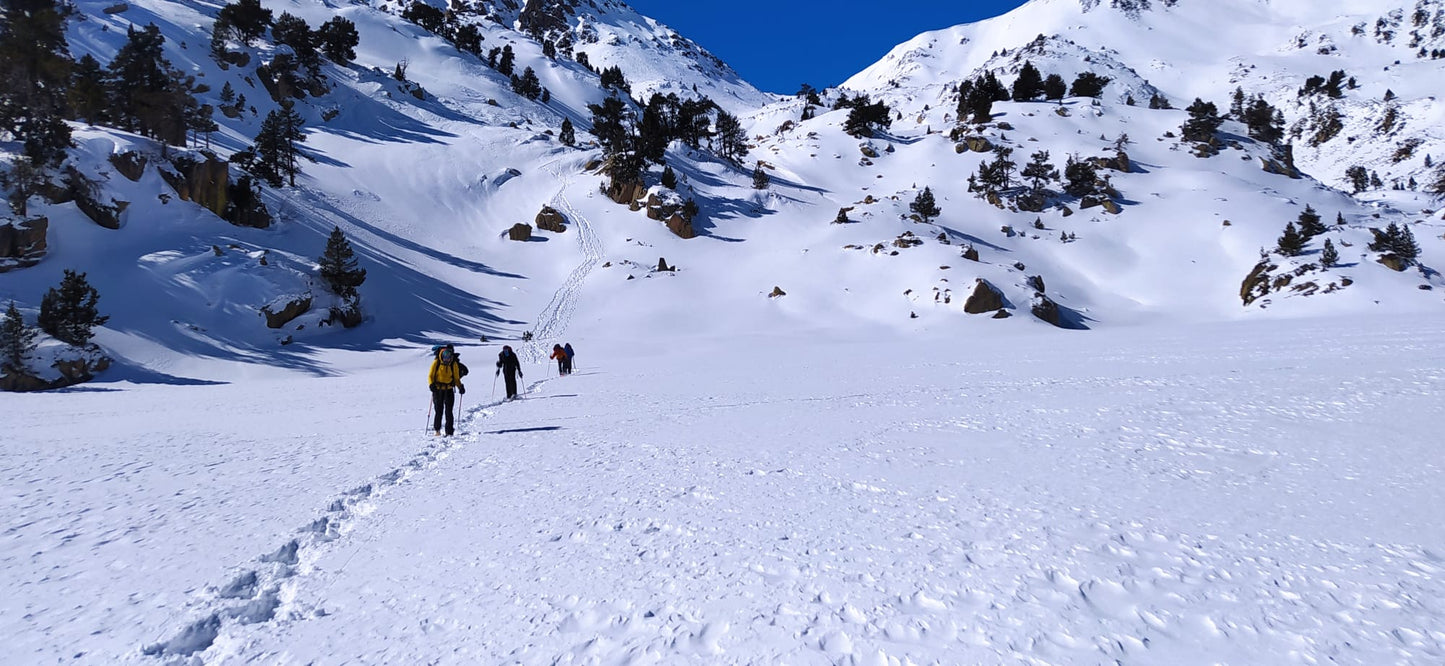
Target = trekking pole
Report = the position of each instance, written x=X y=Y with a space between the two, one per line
x=428 y=416
x=494 y=387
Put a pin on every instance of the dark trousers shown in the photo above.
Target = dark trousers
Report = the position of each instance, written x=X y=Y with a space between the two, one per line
x=511 y=384
x=567 y=366
x=443 y=400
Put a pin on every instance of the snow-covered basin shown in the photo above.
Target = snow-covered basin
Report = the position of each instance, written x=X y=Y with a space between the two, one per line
x=1249 y=493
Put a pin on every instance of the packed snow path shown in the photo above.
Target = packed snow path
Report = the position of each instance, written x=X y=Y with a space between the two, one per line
x=1239 y=494
x=554 y=318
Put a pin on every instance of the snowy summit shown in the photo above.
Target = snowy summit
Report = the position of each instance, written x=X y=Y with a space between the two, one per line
x=1104 y=331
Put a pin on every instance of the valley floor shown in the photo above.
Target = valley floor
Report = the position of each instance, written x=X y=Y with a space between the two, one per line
x=1254 y=493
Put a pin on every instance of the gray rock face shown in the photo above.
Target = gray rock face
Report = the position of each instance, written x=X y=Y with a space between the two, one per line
x=23 y=243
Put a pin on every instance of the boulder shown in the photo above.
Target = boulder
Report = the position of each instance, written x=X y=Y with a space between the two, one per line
x=777 y=291
x=971 y=253
x=625 y=193
x=680 y=225
x=1394 y=262
x=1256 y=284
x=23 y=243
x=1002 y=314
x=1111 y=207
x=551 y=219
x=101 y=214
x=72 y=371
x=978 y=144
x=130 y=164
x=1047 y=310
x=662 y=265
x=1065 y=211
x=281 y=311
x=208 y=184
x=985 y=298
x=1036 y=282
x=520 y=232
x=868 y=150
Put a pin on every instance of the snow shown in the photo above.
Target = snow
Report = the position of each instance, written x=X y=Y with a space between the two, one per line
x=856 y=472
x=1242 y=493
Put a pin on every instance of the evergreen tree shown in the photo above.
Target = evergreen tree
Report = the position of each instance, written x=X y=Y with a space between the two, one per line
x=1310 y=224
x=1236 y=104
x=468 y=38
x=1203 y=122
x=1359 y=178
x=527 y=85
x=761 y=180
x=17 y=341
x=1089 y=84
x=1039 y=172
x=1265 y=122
x=338 y=266
x=34 y=75
x=1080 y=178
x=1054 y=87
x=692 y=124
x=669 y=178
x=1029 y=85
x=732 y=140
x=978 y=104
x=991 y=86
x=87 y=91
x=1291 y=244
x=147 y=94
x=1157 y=101
x=568 y=135
x=1404 y=246
x=429 y=17
x=293 y=31
x=612 y=125
x=924 y=206
x=68 y=313
x=338 y=39
x=276 y=146
x=245 y=21
x=507 y=62
x=612 y=77
x=867 y=117
x=1329 y=257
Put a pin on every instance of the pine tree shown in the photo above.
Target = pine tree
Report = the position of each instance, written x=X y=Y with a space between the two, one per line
x=338 y=39
x=1157 y=101
x=732 y=140
x=1265 y=122
x=612 y=125
x=68 y=313
x=1329 y=257
x=867 y=117
x=1359 y=178
x=669 y=178
x=1089 y=84
x=1029 y=85
x=35 y=69
x=568 y=135
x=924 y=206
x=527 y=85
x=338 y=266
x=1039 y=172
x=17 y=341
x=1055 y=88
x=1291 y=244
x=1080 y=178
x=1404 y=245
x=146 y=93
x=87 y=91
x=1310 y=224
x=761 y=180
x=246 y=20
x=507 y=62
x=1203 y=122
x=276 y=146
x=612 y=77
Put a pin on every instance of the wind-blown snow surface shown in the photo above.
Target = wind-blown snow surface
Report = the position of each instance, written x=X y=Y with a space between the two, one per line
x=1252 y=493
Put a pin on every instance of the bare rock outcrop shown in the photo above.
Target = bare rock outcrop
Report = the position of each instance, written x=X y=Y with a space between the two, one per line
x=985 y=298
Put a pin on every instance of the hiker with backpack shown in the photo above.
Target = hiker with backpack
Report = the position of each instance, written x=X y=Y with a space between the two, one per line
x=508 y=363
x=560 y=355
x=445 y=376
x=568 y=348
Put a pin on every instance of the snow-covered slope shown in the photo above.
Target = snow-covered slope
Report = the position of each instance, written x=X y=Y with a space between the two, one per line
x=1208 y=48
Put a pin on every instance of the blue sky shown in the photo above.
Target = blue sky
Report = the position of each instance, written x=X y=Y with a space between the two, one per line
x=777 y=45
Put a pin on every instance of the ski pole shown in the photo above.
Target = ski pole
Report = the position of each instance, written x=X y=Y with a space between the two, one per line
x=428 y=416
x=494 y=386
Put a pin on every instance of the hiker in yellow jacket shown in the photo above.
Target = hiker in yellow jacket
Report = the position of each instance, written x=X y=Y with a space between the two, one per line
x=446 y=374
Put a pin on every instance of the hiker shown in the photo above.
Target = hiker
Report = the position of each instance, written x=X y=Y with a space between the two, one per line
x=446 y=374
x=507 y=362
x=568 y=348
x=561 y=356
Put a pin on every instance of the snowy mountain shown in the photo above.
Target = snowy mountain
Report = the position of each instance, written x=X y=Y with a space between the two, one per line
x=1394 y=51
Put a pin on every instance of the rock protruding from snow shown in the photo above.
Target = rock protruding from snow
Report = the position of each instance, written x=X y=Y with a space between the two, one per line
x=985 y=298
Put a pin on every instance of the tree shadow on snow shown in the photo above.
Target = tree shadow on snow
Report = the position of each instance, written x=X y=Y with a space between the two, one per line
x=521 y=430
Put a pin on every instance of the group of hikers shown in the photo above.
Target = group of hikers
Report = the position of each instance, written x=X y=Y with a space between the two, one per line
x=447 y=371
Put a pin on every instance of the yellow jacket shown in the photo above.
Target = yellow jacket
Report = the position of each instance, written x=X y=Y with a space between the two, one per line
x=445 y=375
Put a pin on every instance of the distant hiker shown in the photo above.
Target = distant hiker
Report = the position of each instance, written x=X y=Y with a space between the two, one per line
x=446 y=374
x=560 y=355
x=509 y=364
x=568 y=348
